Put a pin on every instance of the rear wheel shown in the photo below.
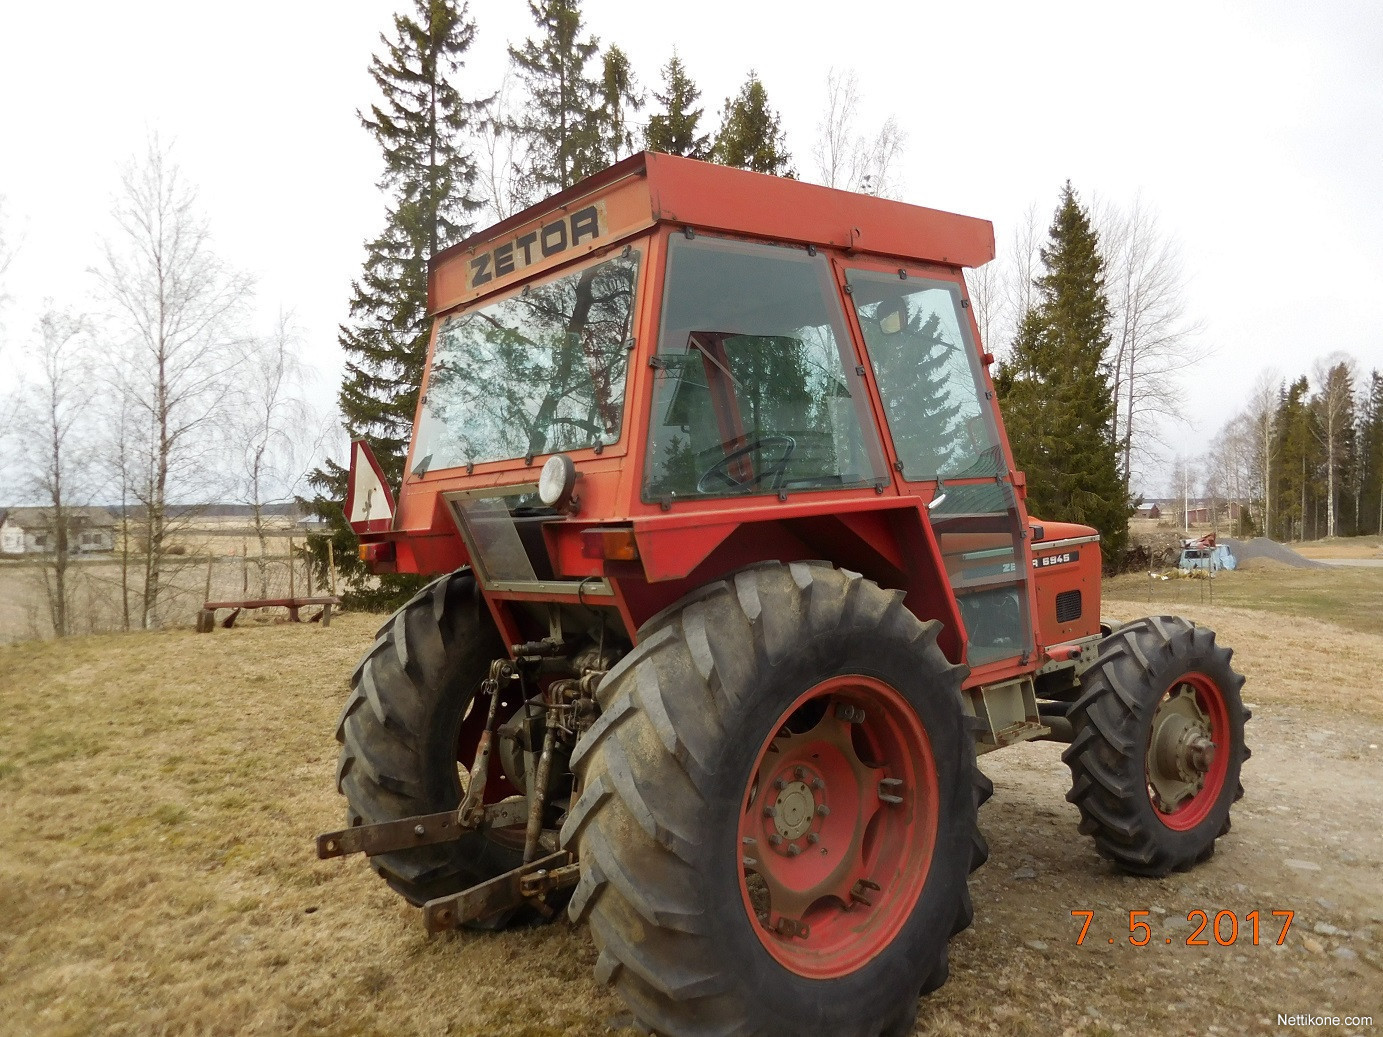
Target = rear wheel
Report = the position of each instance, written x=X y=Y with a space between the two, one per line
x=1158 y=747
x=401 y=728
x=777 y=815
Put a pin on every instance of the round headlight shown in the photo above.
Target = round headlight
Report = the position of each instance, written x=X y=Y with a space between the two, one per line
x=556 y=482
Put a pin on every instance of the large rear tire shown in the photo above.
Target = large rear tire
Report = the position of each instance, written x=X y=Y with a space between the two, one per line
x=1158 y=746
x=400 y=728
x=777 y=817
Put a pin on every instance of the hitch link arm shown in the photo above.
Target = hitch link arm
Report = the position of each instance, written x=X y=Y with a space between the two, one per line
x=448 y=826
x=472 y=809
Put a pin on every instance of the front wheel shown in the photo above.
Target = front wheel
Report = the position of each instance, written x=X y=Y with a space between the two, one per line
x=1158 y=746
x=778 y=811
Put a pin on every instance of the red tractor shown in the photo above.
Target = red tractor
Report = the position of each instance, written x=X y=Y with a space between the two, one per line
x=738 y=582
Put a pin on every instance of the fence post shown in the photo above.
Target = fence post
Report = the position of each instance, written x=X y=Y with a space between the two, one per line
x=291 y=566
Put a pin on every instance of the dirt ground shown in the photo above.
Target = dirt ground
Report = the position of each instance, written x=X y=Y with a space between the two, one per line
x=161 y=792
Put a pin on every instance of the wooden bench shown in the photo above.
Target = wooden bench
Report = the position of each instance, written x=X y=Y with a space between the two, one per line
x=206 y=618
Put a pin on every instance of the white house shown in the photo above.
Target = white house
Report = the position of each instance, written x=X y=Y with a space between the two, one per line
x=32 y=531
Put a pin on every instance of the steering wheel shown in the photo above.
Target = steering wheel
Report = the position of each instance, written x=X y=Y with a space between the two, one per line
x=721 y=469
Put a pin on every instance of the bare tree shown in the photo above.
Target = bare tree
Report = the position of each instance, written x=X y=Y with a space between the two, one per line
x=849 y=159
x=1262 y=418
x=9 y=400
x=1024 y=267
x=1229 y=472
x=179 y=308
x=1153 y=339
x=122 y=462
x=1183 y=478
x=985 y=289
x=501 y=154
x=8 y=248
x=58 y=465
x=1333 y=404
x=278 y=432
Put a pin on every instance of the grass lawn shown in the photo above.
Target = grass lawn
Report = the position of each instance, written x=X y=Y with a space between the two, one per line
x=1351 y=597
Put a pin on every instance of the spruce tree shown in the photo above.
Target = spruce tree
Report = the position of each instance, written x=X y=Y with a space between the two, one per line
x=1296 y=470
x=421 y=124
x=562 y=120
x=751 y=134
x=1054 y=387
x=673 y=129
x=1371 y=456
x=621 y=99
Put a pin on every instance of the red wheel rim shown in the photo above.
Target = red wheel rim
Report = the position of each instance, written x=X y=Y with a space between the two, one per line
x=837 y=827
x=1171 y=753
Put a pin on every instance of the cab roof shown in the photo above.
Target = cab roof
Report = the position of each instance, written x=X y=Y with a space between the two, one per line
x=651 y=188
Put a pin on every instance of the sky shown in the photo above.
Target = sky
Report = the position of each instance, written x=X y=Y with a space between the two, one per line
x=1255 y=130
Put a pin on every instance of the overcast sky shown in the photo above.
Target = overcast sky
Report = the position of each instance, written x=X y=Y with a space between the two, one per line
x=1254 y=129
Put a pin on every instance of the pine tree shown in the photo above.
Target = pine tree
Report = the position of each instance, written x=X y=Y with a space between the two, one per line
x=751 y=134
x=1054 y=387
x=421 y=124
x=673 y=130
x=562 y=120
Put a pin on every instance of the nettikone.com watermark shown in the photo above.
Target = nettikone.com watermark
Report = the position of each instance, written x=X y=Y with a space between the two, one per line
x=1309 y=1019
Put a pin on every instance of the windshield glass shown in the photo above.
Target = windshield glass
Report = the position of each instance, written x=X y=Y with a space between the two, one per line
x=928 y=376
x=539 y=371
x=755 y=385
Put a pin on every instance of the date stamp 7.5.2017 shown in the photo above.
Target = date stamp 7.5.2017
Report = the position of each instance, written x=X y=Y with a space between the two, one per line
x=1223 y=928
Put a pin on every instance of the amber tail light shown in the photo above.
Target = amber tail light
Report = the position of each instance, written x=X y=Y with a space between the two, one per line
x=376 y=554
x=612 y=545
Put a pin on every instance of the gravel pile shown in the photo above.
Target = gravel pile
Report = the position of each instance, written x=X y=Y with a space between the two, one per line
x=1262 y=547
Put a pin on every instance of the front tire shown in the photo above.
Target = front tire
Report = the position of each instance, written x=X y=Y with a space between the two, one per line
x=1158 y=746
x=400 y=728
x=793 y=687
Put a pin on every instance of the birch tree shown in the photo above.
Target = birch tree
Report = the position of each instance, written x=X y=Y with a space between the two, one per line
x=178 y=309
x=847 y=155
x=501 y=154
x=1333 y=407
x=278 y=434
x=57 y=462
x=1152 y=340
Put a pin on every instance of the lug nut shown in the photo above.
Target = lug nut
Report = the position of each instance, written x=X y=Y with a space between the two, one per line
x=780 y=784
x=793 y=849
x=775 y=840
x=823 y=810
x=813 y=838
x=770 y=812
x=799 y=773
x=818 y=784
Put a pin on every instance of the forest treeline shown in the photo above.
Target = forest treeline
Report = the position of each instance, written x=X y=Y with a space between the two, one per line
x=1304 y=458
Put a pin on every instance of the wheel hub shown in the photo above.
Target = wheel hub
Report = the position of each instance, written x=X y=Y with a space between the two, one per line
x=794 y=810
x=1181 y=749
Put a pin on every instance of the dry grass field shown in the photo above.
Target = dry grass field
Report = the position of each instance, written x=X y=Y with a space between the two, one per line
x=232 y=555
x=161 y=792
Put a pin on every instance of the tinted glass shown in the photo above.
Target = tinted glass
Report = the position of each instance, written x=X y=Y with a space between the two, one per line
x=928 y=375
x=534 y=373
x=755 y=389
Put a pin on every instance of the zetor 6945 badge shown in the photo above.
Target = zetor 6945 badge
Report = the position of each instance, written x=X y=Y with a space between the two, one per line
x=735 y=580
